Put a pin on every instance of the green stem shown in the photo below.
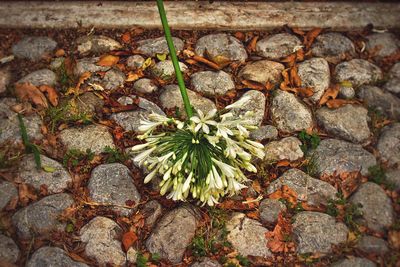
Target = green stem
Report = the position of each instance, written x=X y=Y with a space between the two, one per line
x=174 y=58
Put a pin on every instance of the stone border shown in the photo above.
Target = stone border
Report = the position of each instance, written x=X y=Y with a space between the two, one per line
x=199 y=15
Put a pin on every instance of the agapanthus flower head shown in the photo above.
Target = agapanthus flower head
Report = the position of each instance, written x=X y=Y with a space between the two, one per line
x=202 y=157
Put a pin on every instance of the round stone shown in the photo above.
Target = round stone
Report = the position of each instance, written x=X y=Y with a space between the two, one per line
x=376 y=207
x=173 y=234
x=135 y=61
x=277 y=46
x=5 y=79
x=8 y=192
x=93 y=137
x=262 y=71
x=40 y=77
x=289 y=113
x=96 y=44
x=315 y=73
x=88 y=65
x=393 y=83
x=316 y=232
x=9 y=251
x=354 y=262
x=255 y=104
x=152 y=47
x=382 y=44
x=312 y=191
x=113 y=79
x=152 y=211
x=34 y=48
x=349 y=122
x=358 y=72
x=270 y=209
x=337 y=156
x=113 y=185
x=102 y=236
x=346 y=92
x=165 y=70
x=212 y=83
x=145 y=86
x=247 y=236
x=52 y=174
x=52 y=256
x=389 y=144
x=372 y=244
x=264 y=132
x=41 y=217
x=221 y=45
x=333 y=46
x=287 y=148
x=206 y=262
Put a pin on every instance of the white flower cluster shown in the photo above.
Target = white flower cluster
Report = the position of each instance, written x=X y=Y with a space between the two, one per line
x=203 y=157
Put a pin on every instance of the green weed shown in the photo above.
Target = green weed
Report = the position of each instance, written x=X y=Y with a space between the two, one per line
x=74 y=156
x=65 y=113
x=350 y=212
x=377 y=175
x=114 y=155
x=310 y=141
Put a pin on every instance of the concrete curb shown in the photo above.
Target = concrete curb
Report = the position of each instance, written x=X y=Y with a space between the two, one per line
x=199 y=15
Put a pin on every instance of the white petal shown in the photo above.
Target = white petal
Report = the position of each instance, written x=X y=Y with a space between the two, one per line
x=150 y=176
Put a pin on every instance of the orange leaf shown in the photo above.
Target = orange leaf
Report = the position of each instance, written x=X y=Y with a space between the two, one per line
x=310 y=37
x=29 y=92
x=253 y=85
x=254 y=215
x=51 y=94
x=108 y=61
x=60 y=53
x=133 y=76
x=276 y=238
x=25 y=194
x=252 y=45
x=283 y=163
x=294 y=77
x=126 y=37
x=207 y=62
x=331 y=93
x=337 y=103
x=286 y=193
x=128 y=239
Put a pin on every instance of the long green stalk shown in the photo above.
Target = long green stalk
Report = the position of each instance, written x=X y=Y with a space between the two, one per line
x=174 y=58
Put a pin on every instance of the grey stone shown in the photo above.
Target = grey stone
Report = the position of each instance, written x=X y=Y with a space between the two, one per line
x=315 y=73
x=165 y=70
x=9 y=124
x=113 y=79
x=56 y=179
x=389 y=144
x=289 y=113
x=34 y=48
x=130 y=120
x=316 y=232
x=312 y=191
x=358 y=72
x=277 y=46
x=171 y=98
x=382 y=44
x=41 y=217
x=381 y=100
x=393 y=83
x=206 y=262
x=256 y=105
x=393 y=177
x=151 y=47
x=377 y=210
x=287 y=148
x=264 y=132
x=333 y=47
x=221 y=45
x=135 y=61
x=88 y=64
x=40 y=77
x=372 y=244
x=152 y=211
x=113 y=185
x=349 y=122
x=337 y=156
x=52 y=256
x=96 y=44
x=212 y=83
x=270 y=209
x=145 y=86
x=9 y=251
x=7 y=193
x=262 y=71
x=102 y=236
x=88 y=103
x=5 y=79
x=247 y=236
x=173 y=233
x=346 y=92
x=354 y=262
x=131 y=255
x=56 y=63
x=93 y=137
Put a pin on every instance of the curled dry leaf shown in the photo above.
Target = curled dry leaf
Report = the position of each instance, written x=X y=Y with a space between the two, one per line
x=337 y=103
x=330 y=93
x=253 y=85
x=277 y=239
x=252 y=45
x=51 y=94
x=285 y=192
x=25 y=194
x=108 y=61
x=206 y=61
x=133 y=76
x=128 y=239
x=29 y=92
x=294 y=77
x=126 y=37
x=75 y=90
x=310 y=37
